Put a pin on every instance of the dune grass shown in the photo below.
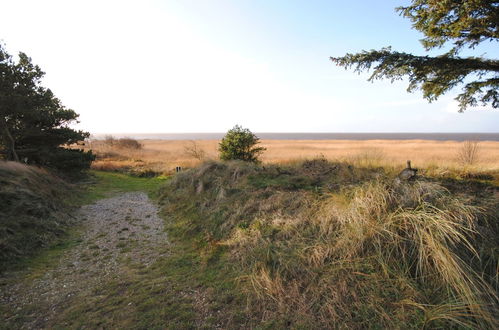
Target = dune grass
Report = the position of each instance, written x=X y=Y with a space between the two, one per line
x=325 y=245
x=307 y=244
x=32 y=213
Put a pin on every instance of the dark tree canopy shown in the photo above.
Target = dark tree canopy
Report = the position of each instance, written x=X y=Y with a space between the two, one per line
x=240 y=143
x=463 y=23
x=34 y=125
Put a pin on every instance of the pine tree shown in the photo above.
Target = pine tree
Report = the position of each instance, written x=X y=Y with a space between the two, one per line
x=34 y=125
x=463 y=23
x=239 y=143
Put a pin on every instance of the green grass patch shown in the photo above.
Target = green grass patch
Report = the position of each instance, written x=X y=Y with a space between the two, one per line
x=105 y=184
x=190 y=287
x=49 y=257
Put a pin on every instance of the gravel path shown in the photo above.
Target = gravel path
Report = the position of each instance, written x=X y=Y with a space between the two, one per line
x=118 y=231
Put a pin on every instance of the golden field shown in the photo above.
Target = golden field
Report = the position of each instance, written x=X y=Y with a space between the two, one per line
x=164 y=155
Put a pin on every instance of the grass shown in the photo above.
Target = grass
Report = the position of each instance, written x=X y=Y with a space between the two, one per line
x=33 y=212
x=37 y=206
x=180 y=290
x=104 y=184
x=350 y=248
x=162 y=156
x=310 y=244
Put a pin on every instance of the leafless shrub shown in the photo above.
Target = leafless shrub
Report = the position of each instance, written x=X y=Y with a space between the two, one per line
x=109 y=140
x=468 y=153
x=125 y=143
x=192 y=149
x=128 y=143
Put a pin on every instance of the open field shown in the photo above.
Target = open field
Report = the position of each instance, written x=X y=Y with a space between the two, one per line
x=164 y=155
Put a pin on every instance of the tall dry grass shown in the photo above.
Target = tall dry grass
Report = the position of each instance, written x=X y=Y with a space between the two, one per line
x=436 y=156
x=326 y=245
x=32 y=210
x=399 y=239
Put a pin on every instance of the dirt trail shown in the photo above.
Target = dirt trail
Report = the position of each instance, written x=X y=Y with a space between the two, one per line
x=117 y=231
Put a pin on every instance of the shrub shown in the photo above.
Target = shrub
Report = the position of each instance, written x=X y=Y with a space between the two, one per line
x=239 y=144
x=193 y=150
x=125 y=143
x=128 y=143
x=469 y=152
x=109 y=140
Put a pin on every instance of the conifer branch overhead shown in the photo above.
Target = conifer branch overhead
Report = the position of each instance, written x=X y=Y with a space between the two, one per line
x=460 y=22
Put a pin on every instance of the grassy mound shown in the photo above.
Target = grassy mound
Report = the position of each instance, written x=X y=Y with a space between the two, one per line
x=31 y=212
x=321 y=244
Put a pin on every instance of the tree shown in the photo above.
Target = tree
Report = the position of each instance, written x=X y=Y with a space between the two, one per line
x=34 y=125
x=464 y=23
x=239 y=143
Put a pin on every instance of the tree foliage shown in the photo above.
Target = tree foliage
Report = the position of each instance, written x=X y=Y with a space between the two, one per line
x=240 y=143
x=463 y=23
x=34 y=125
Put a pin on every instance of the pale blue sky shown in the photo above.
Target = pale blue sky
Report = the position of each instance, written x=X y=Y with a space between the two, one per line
x=203 y=66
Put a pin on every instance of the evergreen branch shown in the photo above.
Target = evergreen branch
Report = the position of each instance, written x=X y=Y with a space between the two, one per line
x=433 y=75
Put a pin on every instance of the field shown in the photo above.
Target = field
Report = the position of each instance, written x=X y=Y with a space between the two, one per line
x=302 y=244
x=163 y=156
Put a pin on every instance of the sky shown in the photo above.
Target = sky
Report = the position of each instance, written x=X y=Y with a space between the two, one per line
x=170 y=66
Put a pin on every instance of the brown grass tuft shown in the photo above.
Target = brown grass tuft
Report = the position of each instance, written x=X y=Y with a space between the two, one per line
x=326 y=245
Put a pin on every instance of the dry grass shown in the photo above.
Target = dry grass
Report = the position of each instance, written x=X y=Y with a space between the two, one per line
x=328 y=245
x=32 y=205
x=165 y=155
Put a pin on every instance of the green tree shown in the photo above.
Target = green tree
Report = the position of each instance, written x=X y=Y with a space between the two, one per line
x=463 y=23
x=240 y=143
x=34 y=125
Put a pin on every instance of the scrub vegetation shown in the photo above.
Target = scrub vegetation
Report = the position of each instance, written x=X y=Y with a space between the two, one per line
x=33 y=212
x=321 y=245
x=308 y=244
x=162 y=156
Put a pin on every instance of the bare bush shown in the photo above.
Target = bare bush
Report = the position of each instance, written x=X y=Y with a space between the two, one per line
x=468 y=153
x=192 y=149
x=125 y=143
x=109 y=140
x=128 y=143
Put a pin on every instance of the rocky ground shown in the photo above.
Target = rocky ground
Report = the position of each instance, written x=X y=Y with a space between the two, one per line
x=117 y=232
